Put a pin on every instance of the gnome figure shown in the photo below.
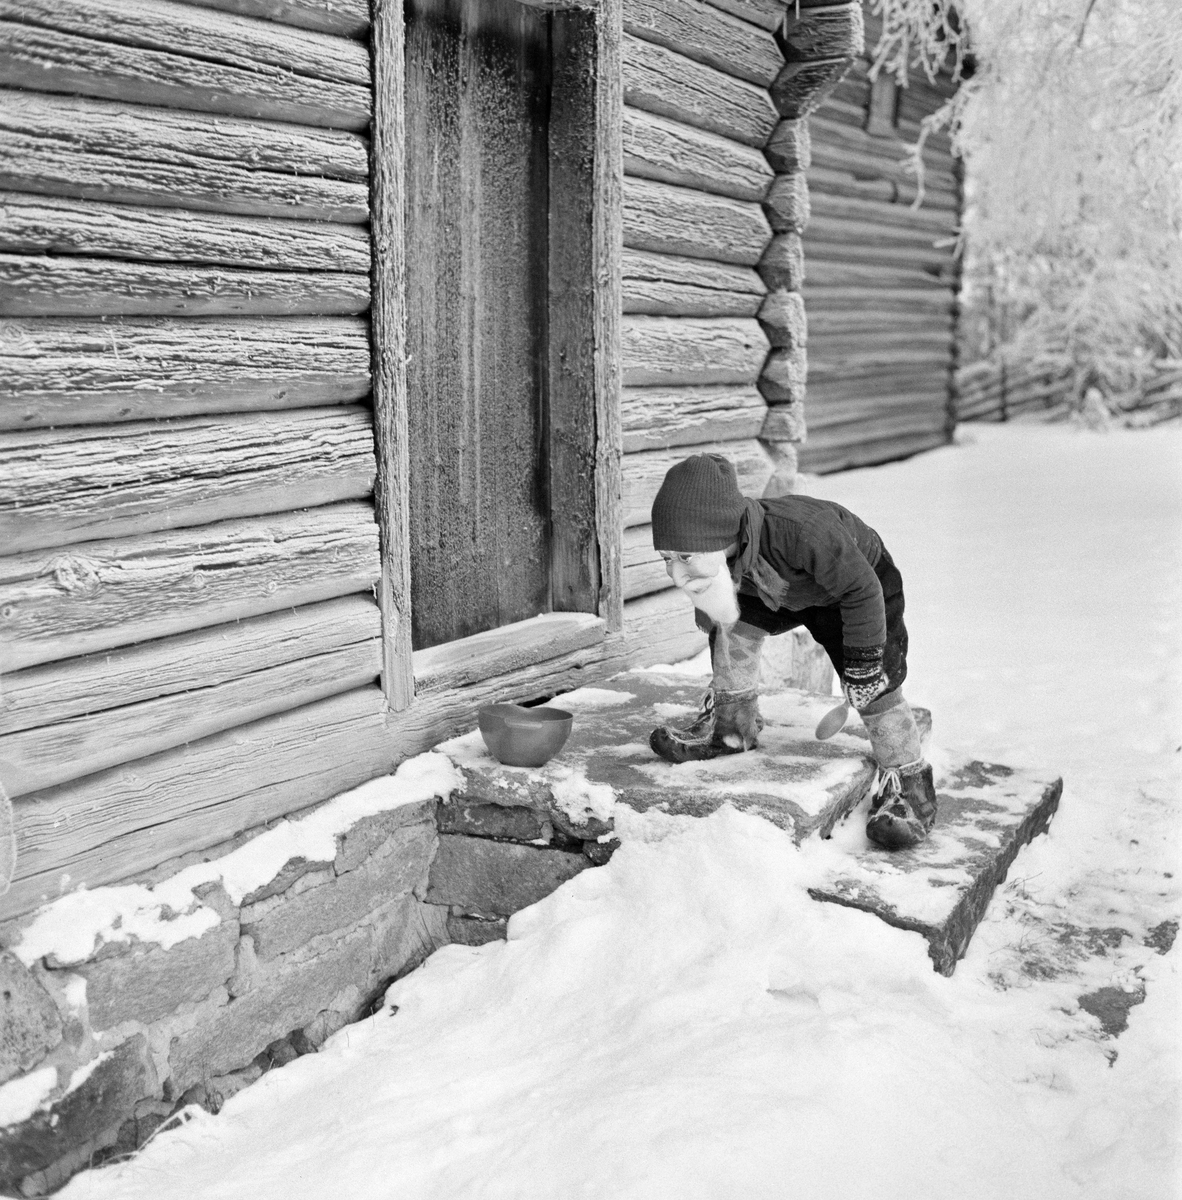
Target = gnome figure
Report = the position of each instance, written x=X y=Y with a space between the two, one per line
x=759 y=567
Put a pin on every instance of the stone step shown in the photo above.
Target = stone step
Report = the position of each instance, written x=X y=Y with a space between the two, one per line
x=799 y=784
x=803 y=786
x=941 y=889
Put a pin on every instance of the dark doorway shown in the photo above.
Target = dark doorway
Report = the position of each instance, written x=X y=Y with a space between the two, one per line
x=477 y=250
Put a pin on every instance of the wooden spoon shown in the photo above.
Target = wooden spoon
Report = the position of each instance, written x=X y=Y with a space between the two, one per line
x=833 y=721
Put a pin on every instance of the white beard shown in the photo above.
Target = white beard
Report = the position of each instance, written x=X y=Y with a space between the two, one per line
x=718 y=599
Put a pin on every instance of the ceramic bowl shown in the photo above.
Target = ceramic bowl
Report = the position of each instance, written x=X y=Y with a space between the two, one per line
x=524 y=737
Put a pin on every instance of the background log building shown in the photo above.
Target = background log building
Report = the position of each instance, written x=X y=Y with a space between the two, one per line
x=330 y=406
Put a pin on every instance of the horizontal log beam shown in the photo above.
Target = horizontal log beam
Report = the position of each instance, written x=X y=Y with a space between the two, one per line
x=938 y=263
x=56 y=604
x=58 y=371
x=922 y=293
x=885 y=320
x=48 y=59
x=47 y=166
x=346 y=18
x=829 y=31
x=661 y=81
x=43 y=758
x=188 y=30
x=43 y=286
x=32 y=224
x=56 y=692
x=193 y=140
x=707 y=35
x=659 y=418
x=644 y=471
x=656 y=147
x=79 y=484
x=862 y=453
x=876 y=212
x=644 y=568
x=833 y=351
x=845 y=181
x=671 y=351
x=842 y=145
x=671 y=220
x=923 y=415
x=827 y=228
x=927 y=384
x=767 y=14
x=660 y=629
x=671 y=285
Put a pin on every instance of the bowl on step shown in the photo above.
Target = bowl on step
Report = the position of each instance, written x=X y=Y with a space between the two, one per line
x=524 y=737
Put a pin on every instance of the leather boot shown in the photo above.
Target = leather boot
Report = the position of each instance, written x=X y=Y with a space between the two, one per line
x=903 y=804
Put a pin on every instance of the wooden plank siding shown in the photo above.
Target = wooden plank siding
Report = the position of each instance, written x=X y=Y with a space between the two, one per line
x=880 y=277
x=186 y=435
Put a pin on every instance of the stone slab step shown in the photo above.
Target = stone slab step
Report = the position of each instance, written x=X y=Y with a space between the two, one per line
x=941 y=889
x=799 y=784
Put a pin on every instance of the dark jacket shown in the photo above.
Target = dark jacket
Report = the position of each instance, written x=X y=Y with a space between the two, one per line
x=797 y=552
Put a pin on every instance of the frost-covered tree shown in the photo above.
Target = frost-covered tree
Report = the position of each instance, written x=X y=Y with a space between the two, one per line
x=1070 y=126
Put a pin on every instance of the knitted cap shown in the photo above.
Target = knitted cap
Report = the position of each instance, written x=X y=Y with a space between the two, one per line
x=698 y=507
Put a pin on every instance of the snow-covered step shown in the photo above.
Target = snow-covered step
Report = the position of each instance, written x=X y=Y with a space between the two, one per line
x=941 y=889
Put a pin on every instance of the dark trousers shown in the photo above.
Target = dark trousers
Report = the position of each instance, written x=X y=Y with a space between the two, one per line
x=824 y=622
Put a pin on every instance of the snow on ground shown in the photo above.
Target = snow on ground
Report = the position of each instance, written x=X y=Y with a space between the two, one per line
x=685 y=1022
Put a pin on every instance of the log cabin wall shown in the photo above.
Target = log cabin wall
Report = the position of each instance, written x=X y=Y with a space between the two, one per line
x=187 y=456
x=716 y=198
x=881 y=276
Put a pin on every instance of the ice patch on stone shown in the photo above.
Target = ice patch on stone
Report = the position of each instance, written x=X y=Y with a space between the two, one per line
x=581 y=799
x=668 y=712
x=698 y=666
x=21 y=1098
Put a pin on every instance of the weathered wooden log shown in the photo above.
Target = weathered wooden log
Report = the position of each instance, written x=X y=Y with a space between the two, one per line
x=937 y=225
x=58 y=371
x=671 y=220
x=707 y=35
x=183 y=29
x=670 y=285
x=60 y=486
x=787 y=203
x=55 y=693
x=60 y=603
x=858 y=452
x=347 y=18
x=660 y=629
x=767 y=14
x=658 y=148
x=782 y=318
x=802 y=87
x=932 y=297
x=500 y=652
x=53 y=60
x=790 y=146
x=843 y=350
x=878 y=186
x=878 y=318
x=830 y=31
x=828 y=393
x=865 y=281
x=47 y=166
x=870 y=370
x=843 y=145
x=40 y=286
x=42 y=758
x=914 y=414
x=824 y=228
x=644 y=472
x=658 y=418
x=784 y=376
x=644 y=568
x=34 y=224
x=938 y=263
x=661 y=81
x=784 y=423
x=192 y=140
x=782 y=263
x=672 y=351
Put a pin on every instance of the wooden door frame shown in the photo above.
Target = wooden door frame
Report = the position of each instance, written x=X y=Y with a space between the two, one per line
x=584 y=375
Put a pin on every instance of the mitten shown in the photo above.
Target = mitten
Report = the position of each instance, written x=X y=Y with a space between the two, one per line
x=862 y=679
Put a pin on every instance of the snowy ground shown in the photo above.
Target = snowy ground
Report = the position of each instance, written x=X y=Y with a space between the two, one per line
x=686 y=1023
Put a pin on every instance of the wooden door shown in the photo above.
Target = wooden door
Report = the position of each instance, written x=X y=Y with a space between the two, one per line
x=477 y=212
